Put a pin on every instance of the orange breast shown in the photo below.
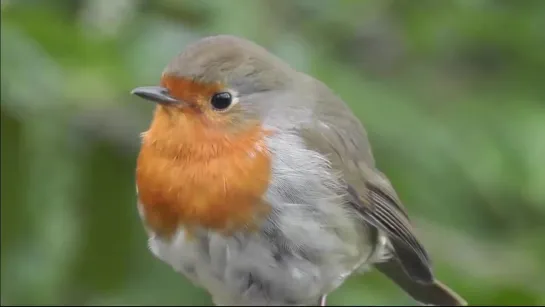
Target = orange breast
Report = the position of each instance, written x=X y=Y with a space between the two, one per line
x=197 y=177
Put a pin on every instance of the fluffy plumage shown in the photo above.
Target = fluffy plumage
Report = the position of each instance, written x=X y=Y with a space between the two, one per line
x=277 y=200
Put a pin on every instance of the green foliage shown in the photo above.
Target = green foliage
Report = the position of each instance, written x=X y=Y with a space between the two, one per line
x=451 y=93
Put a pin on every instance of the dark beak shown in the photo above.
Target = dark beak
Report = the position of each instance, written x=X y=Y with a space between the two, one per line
x=156 y=94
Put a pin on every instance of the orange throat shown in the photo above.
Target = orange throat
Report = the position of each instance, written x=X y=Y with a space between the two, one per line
x=195 y=176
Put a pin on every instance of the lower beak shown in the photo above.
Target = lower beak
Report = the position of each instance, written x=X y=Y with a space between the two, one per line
x=156 y=94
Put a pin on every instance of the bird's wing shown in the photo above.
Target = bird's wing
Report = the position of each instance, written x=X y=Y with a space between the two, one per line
x=338 y=134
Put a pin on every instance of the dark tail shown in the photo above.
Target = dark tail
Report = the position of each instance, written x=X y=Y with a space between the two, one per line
x=434 y=293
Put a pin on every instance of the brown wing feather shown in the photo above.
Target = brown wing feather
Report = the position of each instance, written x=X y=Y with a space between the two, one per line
x=339 y=135
x=378 y=211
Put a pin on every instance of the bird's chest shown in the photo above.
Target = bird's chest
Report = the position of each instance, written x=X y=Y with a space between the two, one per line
x=223 y=193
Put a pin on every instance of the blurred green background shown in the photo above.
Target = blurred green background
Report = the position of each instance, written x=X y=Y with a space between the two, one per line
x=451 y=92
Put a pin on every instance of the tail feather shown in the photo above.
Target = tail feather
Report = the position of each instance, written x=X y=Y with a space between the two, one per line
x=434 y=293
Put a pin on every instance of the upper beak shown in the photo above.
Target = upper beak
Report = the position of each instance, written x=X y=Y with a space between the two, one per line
x=156 y=94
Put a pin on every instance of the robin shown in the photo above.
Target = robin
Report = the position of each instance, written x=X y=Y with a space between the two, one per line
x=257 y=183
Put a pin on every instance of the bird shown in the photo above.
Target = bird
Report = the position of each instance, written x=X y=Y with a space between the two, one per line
x=257 y=183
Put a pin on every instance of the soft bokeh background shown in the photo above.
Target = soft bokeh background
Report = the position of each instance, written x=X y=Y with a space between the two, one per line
x=452 y=93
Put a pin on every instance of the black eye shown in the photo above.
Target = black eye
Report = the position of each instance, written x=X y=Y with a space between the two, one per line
x=221 y=101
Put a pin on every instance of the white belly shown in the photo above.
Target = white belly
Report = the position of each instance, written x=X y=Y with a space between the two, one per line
x=267 y=267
